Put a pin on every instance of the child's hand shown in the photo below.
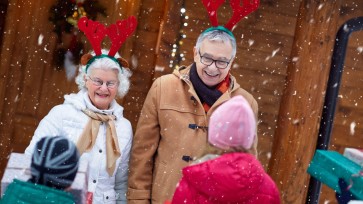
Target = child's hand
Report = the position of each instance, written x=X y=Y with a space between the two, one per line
x=346 y=195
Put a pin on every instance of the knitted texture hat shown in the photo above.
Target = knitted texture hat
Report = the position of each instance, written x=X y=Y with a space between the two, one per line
x=54 y=162
x=233 y=124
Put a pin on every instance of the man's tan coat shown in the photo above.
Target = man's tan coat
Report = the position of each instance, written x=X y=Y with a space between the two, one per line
x=163 y=135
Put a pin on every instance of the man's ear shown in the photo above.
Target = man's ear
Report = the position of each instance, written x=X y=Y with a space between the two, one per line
x=195 y=52
x=232 y=61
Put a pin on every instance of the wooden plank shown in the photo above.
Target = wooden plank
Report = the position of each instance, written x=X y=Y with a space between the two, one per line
x=262 y=61
x=302 y=99
x=133 y=107
x=351 y=98
x=264 y=142
x=143 y=57
x=354 y=55
x=24 y=128
x=168 y=36
x=14 y=56
x=281 y=7
x=346 y=116
x=264 y=119
x=356 y=40
x=349 y=10
x=341 y=135
x=39 y=58
x=3 y=11
x=264 y=41
x=270 y=22
x=268 y=104
x=269 y=83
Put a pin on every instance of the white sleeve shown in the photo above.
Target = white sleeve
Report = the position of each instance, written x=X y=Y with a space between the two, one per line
x=50 y=125
x=122 y=173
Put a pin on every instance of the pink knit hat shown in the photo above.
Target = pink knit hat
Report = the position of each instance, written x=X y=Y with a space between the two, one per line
x=233 y=124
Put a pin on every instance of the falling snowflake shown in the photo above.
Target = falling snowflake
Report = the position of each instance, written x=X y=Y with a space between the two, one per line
x=250 y=42
x=352 y=128
x=40 y=39
x=159 y=68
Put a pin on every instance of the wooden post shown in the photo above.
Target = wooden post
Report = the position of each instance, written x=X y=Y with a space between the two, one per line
x=152 y=52
x=303 y=97
x=168 y=35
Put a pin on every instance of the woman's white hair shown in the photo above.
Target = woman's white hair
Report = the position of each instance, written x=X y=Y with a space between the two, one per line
x=106 y=63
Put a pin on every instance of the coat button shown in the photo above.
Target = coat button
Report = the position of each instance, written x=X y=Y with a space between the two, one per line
x=100 y=151
x=94 y=181
x=106 y=197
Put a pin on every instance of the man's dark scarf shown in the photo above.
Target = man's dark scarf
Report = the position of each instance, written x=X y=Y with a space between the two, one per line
x=207 y=95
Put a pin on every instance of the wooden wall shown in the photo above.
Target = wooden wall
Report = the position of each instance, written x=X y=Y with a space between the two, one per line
x=30 y=86
x=3 y=10
x=348 y=122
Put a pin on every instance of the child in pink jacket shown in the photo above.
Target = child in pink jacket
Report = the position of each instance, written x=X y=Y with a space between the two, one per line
x=228 y=173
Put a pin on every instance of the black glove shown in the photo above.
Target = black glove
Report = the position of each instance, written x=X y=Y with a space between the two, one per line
x=346 y=195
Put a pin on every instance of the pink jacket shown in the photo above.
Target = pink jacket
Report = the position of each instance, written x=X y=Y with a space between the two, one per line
x=230 y=178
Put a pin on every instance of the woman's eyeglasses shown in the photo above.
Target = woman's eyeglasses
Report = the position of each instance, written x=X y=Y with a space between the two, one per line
x=99 y=82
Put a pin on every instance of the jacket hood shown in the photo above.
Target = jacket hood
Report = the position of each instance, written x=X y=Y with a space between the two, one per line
x=81 y=101
x=231 y=177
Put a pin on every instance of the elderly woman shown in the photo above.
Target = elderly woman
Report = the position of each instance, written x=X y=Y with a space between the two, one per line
x=94 y=121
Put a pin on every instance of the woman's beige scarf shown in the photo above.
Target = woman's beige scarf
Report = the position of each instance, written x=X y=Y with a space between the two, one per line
x=88 y=138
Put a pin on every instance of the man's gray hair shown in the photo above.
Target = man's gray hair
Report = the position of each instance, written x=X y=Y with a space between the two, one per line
x=217 y=35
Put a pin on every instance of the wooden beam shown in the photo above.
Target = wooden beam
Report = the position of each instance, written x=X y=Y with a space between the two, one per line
x=168 y=35
x=143 y=57
x=24 y=60
x=299 y=116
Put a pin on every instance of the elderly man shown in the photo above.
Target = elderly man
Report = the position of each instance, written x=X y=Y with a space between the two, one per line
x=172 y=129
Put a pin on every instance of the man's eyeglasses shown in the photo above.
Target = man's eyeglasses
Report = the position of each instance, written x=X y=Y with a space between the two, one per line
x=220 y=64
x=99 y=82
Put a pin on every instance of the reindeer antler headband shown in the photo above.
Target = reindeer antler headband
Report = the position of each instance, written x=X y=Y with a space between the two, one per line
x=239 y=11
x=96 y=32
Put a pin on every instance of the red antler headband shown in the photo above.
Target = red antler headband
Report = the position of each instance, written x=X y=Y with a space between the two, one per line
x=96 y=32
x=248 y=6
